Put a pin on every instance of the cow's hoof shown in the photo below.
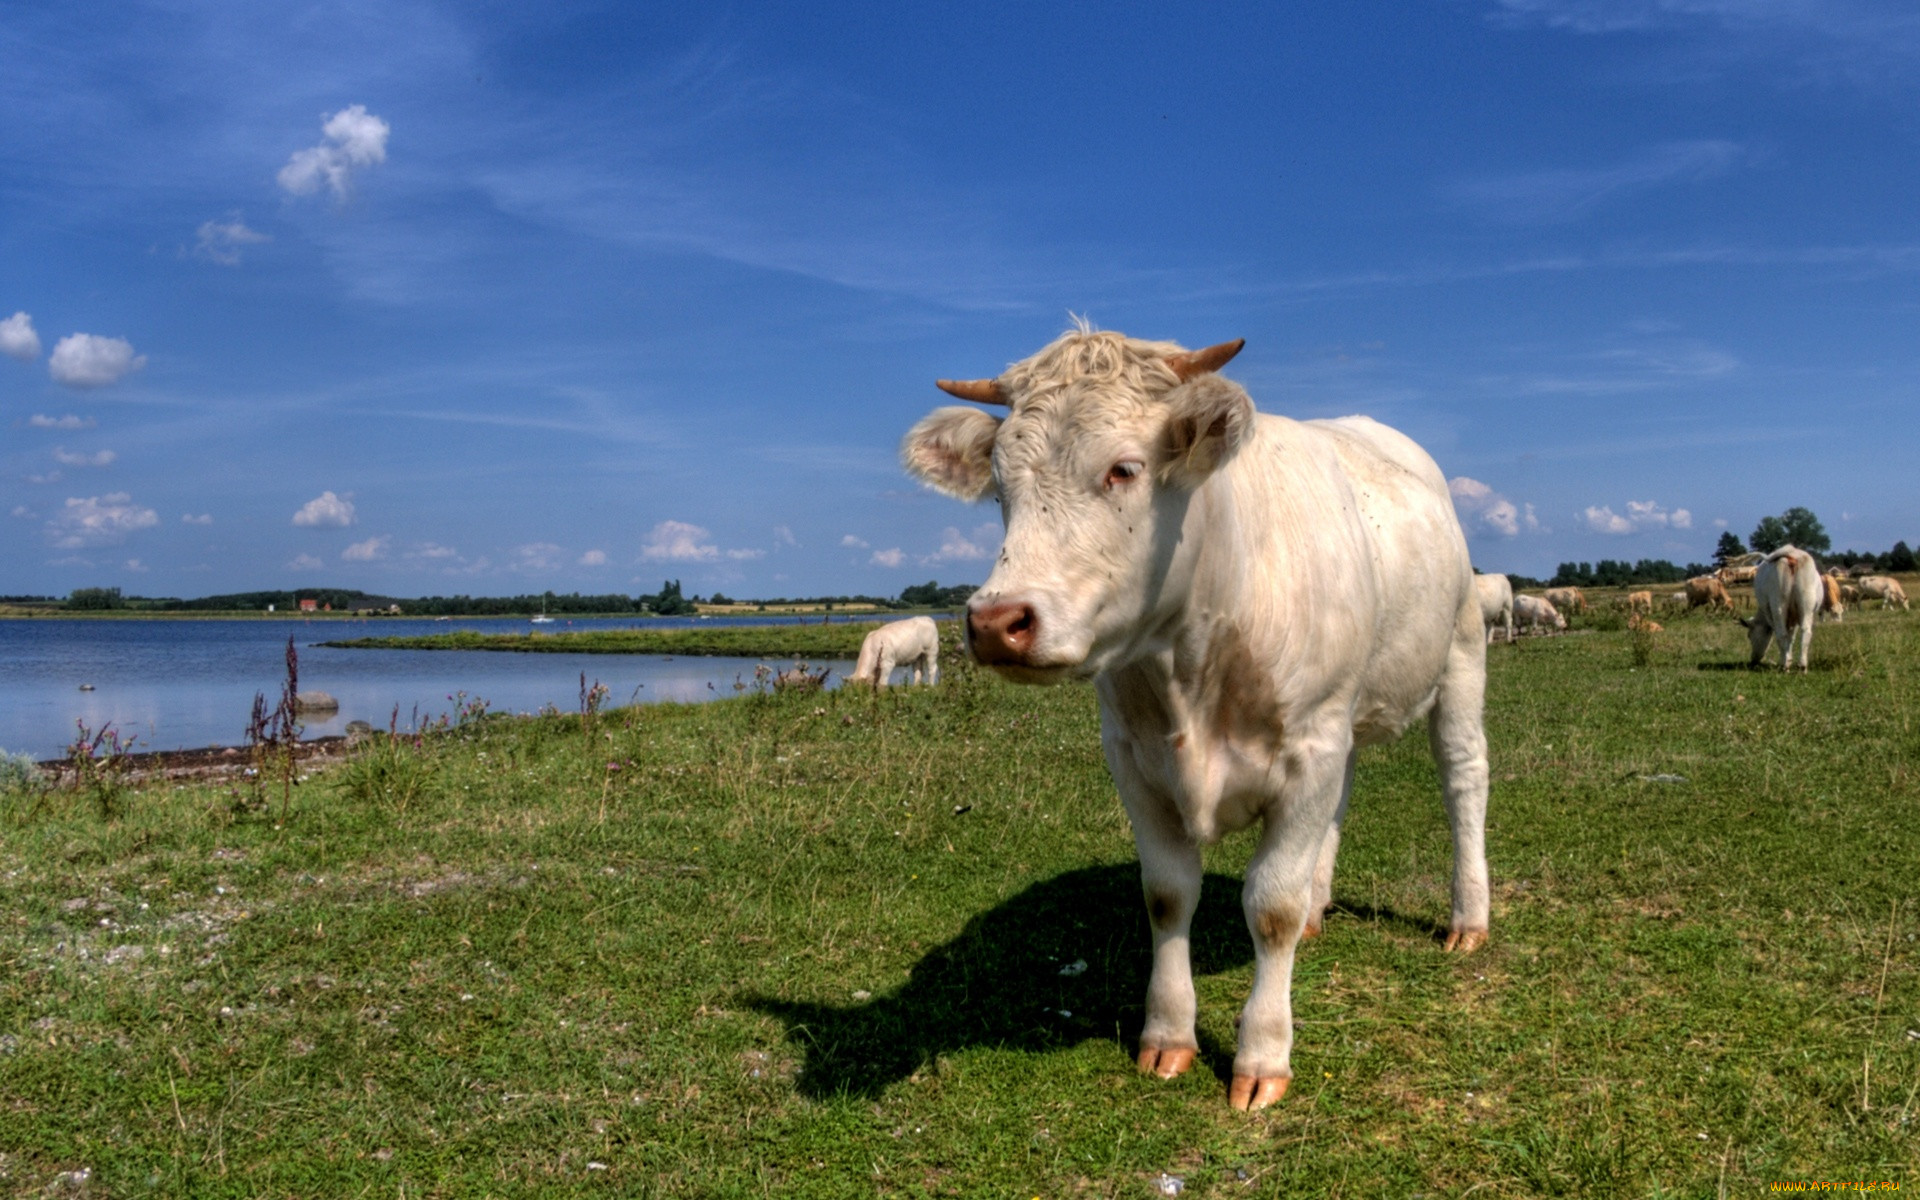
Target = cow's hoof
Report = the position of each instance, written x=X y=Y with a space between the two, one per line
x=1165 y=1061
x=1466 y=941
x=1251 y=1092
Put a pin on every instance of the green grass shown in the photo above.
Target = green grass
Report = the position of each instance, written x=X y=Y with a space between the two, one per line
x=837 y=640
x=811 y=945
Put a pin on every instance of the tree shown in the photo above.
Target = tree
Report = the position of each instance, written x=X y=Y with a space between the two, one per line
x=95 y=598
x=1901 y=557
x=1729 y=547
x=1797 y=526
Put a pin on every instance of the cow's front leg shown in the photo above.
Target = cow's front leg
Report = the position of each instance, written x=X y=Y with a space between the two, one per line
x=1170 y=877
x=1278 y=899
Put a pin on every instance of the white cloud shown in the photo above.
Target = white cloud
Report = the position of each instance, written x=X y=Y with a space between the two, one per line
x=135 y=565
x=958 y=547
x=222 y=241
x=49 y=477
x=853 y=543
x=888 y=558
x=21 y=510
x=371 y=550
x=746 y=553
x=87 y=360
x=1719 y=522
x=305 y=562
x=1640 y=514
x=202 y=519
x=352 y=138
x=98 y=520
x=1605 y=520
x=593 y=558
x=73 y=458
x=1567 y=194
x=536 y=556
x=1482 y=508
x=433 y=550
x=783 y=536
x=678 y=541
x=69 y=421
x=18 y=339
x=326 y=509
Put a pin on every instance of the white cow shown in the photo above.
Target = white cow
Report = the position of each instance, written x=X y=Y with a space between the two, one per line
x=1787 y=594
x=1254 y=598
x=1496 y=603
x=914 y=643
x=1884 y=588
x=1535 y=612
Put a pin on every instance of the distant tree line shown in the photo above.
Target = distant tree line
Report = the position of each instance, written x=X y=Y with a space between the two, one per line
x=668 y=601
x=1614 y=572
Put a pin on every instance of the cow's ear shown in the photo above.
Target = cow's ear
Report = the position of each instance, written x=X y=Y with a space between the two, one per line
x=951 y=451
x=1207 y=421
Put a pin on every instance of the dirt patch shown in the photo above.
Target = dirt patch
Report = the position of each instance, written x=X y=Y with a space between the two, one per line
x=206 y=763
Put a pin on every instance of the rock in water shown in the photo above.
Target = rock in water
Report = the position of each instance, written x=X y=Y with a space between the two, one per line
x=315 y=702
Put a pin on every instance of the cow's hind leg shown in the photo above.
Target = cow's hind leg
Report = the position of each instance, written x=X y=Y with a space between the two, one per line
x=1456 y=731
x=1329 y=850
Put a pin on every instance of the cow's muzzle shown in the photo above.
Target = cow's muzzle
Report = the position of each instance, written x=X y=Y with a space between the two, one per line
x=1002 y=635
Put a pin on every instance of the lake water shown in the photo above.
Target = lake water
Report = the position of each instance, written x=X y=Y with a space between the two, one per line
x=178 y=684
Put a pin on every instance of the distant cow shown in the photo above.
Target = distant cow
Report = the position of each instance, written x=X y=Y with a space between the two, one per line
x=1832 y=603
x=1884 y=588
x=914 y=643
x=1254 y=599
x=1639 y=602
x=1571 y=599
x=1536 y=612
x=1708 y=590
x=1787 y=594
x=1496 y=603
x=1850 y=592
x=1640 y=624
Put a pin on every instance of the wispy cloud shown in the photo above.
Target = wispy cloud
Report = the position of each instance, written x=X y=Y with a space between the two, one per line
x=224 y=241
x=1567 y=194
x=888 y=558
x=372 y=550
x=75 y=458
x=351 y=140
x=191 y=519
x=98 y=520
x=18 y=339
x=1641 y=515
x=678 y=541
x=592 y=558
x=87 y=360
x=305 y=562
x=326 y=510
x=958 y=547
x=68 y=421
x=1621 y=370
x=1487 y=511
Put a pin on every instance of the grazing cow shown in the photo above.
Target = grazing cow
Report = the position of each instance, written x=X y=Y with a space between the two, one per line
x=1787 y=594
x=1496 y=603
x=1533 y=612
x=914 y=643
x=1570 y=598
x=1640 y=624
x=1639 y=602
x=1832 y=603
x=1708 y=590
x=1736 y=574
x=1850 y=593
x=1254 y=598
x=1884 y=588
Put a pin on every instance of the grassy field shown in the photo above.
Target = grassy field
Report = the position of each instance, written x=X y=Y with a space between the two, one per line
x=837 y=640
x=813 y=945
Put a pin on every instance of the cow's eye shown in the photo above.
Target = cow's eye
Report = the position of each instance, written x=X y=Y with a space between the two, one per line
x=1122 y=473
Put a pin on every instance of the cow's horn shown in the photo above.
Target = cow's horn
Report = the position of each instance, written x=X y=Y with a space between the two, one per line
x=980 y=391
x=1201 y=362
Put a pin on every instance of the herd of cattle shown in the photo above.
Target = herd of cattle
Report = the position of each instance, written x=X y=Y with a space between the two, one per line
x=1254 y=599
x=1788 y=593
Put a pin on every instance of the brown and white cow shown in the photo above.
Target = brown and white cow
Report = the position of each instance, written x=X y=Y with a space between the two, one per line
x=1884 y=588
x=1708 y=590
x=913 y=643
x=1832 y=603
x=1787 y=594
x=1254 y=598
x=1496 y=603
x=1537 y=612
x=1572 y=599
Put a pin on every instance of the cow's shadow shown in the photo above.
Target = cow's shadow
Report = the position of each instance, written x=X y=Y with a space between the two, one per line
x=1012 y=978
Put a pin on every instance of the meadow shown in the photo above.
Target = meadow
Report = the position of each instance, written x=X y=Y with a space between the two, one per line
x=849 y=945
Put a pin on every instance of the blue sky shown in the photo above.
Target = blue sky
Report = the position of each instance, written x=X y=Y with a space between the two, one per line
x=466 y=298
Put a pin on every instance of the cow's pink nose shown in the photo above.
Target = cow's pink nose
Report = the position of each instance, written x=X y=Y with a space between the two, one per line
x=1002 y=634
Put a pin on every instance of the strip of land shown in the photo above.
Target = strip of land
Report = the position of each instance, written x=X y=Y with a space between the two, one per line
x=751 y=641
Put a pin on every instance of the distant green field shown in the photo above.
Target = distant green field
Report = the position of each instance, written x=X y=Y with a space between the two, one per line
x=838 y=640
x=812 y=946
